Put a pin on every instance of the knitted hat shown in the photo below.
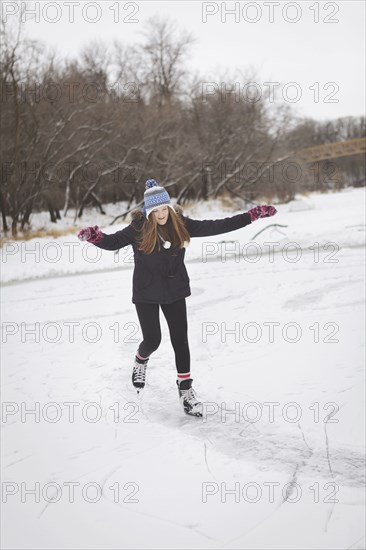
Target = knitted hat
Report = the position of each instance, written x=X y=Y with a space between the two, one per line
x=155 y=195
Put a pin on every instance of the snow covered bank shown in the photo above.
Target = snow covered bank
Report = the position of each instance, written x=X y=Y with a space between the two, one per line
x=312 y=223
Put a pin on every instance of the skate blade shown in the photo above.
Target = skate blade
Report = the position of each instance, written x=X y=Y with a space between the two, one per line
x=197 y=413
x=138 y=389
x=139 y=392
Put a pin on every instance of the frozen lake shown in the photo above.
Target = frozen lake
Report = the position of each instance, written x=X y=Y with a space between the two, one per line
x=277 y=355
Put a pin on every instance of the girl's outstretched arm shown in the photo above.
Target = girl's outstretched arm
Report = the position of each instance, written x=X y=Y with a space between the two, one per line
x=115 y=241
x=207 y=228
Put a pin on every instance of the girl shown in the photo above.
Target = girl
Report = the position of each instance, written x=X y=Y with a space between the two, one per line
x=159 y=234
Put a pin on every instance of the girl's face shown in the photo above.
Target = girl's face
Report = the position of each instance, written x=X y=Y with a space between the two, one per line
x=161 y=214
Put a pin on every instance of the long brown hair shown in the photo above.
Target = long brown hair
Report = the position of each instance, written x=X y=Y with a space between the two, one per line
x=173 y=230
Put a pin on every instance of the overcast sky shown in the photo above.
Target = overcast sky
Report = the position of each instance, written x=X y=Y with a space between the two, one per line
x=318 y=45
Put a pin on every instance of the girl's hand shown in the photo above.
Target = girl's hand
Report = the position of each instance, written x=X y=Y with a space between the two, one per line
x=90 y=234
x=261 y=211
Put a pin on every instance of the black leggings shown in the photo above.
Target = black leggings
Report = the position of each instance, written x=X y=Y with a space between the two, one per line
x=176 y=316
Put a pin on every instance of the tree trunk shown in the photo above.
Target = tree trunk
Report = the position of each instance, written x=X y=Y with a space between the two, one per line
x=26 y=215
x=97 y=202
x=3 y=213
x=14 y=228
x=51 y=211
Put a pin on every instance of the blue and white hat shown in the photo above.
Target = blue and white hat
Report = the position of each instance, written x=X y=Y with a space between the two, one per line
x=155 y=195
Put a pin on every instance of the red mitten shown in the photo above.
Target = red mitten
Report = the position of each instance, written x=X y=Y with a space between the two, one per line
x=91 y=234
x=261 y=211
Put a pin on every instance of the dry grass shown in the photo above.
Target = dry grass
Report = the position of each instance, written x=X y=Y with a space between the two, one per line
x=226 y=199
x=267 y=198
x=39 y=233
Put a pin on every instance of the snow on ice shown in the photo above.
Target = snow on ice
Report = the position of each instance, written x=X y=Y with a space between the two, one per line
x=277 y=356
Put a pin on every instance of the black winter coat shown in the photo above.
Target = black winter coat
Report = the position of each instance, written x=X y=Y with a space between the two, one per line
x=161 y=277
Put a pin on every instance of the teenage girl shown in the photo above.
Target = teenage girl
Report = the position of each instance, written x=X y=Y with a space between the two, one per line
x=159 y=234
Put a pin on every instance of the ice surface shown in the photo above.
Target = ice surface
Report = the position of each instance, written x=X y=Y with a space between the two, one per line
x=152 y=452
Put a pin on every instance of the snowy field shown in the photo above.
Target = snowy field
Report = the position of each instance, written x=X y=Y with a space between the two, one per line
x=277 y=355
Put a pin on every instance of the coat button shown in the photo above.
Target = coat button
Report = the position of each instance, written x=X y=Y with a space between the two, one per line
x=171 y=276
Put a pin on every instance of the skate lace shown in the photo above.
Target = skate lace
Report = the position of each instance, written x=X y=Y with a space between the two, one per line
x=190 y=397
x=139 y=372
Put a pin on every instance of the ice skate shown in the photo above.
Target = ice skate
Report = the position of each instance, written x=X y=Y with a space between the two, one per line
x=139 y=374
x=188 y=399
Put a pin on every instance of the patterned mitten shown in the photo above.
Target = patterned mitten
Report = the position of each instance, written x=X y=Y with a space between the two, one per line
x=91 y=234
x=261 y=211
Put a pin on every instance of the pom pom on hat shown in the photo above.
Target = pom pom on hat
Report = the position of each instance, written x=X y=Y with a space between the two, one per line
x=151 y=183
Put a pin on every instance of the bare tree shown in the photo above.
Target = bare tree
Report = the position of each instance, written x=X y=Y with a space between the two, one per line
x=162 y=60
x=149 y=119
